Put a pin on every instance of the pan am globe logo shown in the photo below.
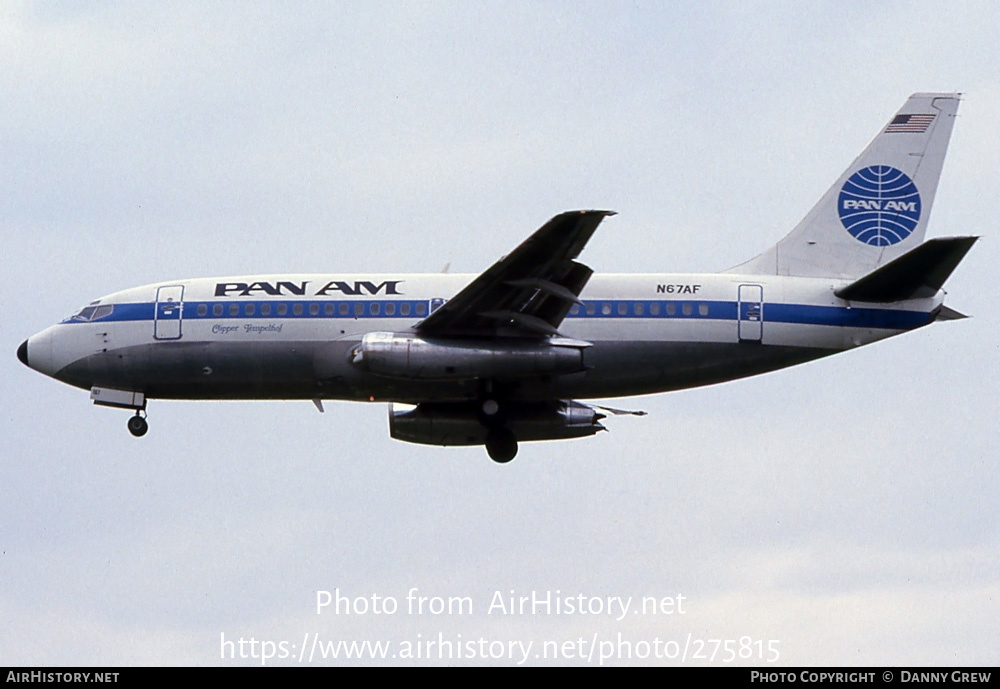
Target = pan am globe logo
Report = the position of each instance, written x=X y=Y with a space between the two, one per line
x=879 y=205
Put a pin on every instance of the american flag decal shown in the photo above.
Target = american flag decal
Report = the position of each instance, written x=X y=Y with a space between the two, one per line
x=914 y=124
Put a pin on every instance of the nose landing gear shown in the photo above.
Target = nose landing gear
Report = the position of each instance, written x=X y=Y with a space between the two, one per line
x=124 y=399
x=137 y=425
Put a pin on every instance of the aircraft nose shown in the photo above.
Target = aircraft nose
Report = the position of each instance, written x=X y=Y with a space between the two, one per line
x=22 y=353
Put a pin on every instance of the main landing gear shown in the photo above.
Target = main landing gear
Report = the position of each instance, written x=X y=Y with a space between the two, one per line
x=137 y=425
x=501 y=445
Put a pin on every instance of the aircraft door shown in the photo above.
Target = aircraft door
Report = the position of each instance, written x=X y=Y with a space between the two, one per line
x=750 y=312
x=169 y=307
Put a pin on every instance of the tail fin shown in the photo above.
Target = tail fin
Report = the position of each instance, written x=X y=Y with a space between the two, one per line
x=879 y=207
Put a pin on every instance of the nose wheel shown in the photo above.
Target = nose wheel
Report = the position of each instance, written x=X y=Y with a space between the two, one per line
x=137 y=426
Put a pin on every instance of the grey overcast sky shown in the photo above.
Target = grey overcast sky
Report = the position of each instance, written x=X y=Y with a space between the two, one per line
x=845 y=509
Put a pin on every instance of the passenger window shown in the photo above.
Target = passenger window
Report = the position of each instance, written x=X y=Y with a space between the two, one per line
x=671 y=308
x=314 y=309
x=202 y=309
x=591 y=308
x=404 y=308
x=328 y=309
x=359 y=309
x=390 y=309
x=265 y=309
x=297 y=309
x=574 y=310
x=622 y=308
x=639 y=308
x=250 y=309
x=654 y=308
x=703 y=309
x=282 y=309
x=606 y=309
x=686 y=309
x=234 y=309
x=374 y=308
x=343 y=308
x=421 y=308
x=217 y=310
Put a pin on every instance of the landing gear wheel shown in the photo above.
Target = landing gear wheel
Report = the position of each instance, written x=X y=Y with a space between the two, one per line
x=501 y=445
x=137 y=426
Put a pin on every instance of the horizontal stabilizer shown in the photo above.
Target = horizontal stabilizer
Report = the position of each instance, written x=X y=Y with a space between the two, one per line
x=917 y=274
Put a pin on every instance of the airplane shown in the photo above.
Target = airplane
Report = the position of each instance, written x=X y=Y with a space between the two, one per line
x=503 y=357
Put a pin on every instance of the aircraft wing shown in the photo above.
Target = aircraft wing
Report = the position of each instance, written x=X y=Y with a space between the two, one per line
x=529 y=291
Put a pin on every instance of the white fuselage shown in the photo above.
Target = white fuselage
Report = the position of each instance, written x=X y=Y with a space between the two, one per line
x=292 y=336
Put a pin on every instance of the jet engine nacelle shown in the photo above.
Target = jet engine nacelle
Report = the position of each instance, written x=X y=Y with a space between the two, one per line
x=401 y=355
x=463 y=423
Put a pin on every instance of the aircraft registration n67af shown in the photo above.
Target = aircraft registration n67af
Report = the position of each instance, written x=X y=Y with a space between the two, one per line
x=502 y=357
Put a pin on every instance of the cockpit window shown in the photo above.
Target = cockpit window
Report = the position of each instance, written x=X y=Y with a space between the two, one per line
x=92 y=312
x=85 y=314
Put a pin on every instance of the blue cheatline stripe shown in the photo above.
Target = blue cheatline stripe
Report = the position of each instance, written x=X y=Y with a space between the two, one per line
x=124 y=312
x=358 y=308
x=802 y=314
x=654 y=309
x=889 y=319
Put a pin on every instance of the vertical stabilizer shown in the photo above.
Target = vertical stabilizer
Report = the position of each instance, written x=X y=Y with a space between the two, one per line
x=879 y=207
